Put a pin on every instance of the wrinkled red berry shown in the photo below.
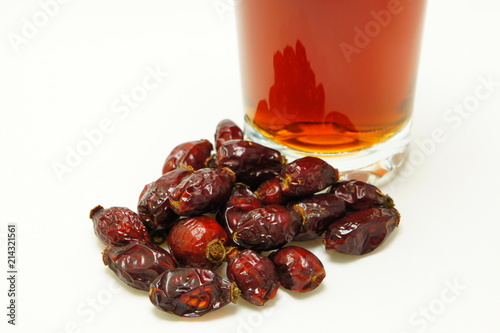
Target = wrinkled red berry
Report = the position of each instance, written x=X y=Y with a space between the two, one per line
x=270 y=192
x=266 y=228
x=144 y=190
x=202 y=191
x=361 y=231
x=191 y=292
x=153 y=206
x=254 y=274
x=227 y=130
x=252 y=163
x=117 y=225
x=241 y=201
x=138 y=263
x=298 y=269
x=359 y=195
x=198 y=242
x=306 y=176
x=317 y=212
x=175 y=157
x=192 y=154
x=212 y=162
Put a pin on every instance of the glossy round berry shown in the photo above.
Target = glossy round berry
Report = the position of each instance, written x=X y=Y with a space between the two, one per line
x=198 y=242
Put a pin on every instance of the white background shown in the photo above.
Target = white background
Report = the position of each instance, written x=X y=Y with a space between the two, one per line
x=439 y=272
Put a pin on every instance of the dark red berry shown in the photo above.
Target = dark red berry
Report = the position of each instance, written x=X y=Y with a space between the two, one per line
x=267 y=228
x=191 y=292
x=298 y=269
x=359 y=195
x=198 y=242
x=176 y=156
x=117 y=225
x=306 y=176
x=270 y=193
x=241 y=201
x=144 y=190
x=227 y=130
x=243 y=198
x=361 y=231
x=153 y=206
x=192 y=154
x=317 y=212
x=254 y=274
x=202 y=191
x=212 y=161
x=138 y=263
x=252 y=163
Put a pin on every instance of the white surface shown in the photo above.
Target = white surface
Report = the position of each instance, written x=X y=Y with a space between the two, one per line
x=438 y=273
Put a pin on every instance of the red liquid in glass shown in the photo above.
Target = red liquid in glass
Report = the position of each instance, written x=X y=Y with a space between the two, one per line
x=329 y=76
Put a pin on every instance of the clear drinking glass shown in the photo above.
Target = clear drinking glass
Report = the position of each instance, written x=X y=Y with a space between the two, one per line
x=331 y=78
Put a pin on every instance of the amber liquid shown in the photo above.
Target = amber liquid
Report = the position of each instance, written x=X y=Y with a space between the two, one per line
x=329 y=76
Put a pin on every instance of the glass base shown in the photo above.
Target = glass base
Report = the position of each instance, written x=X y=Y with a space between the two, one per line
x=376 y=165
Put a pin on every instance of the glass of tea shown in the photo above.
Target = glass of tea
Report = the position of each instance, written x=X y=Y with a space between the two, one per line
x=331 y=78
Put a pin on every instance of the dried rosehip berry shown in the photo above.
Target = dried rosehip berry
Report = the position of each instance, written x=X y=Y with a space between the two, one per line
x=188 y=154
x=252 y=163
x=203 y=191
x=117 y=225
x=144 y=190
x=227 y=130
x=175 y=157
x=360 y=195
x=138 y=263
x=306 y=176
x=254 y=274
x=191 y=292
x=317 y=212
x=270 y=193
x=153 y=206
x=267 y=228
x=198 y=242
x=361 y=231
x=298 y=269
x=241 y=201
x=212 y=161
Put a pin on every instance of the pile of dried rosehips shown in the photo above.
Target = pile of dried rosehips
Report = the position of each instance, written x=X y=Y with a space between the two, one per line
x=240 y=203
